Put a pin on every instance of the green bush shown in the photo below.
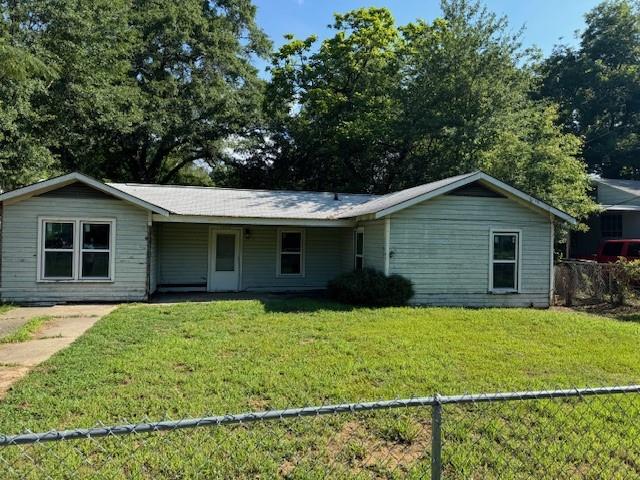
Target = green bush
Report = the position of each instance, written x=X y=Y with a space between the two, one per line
x=625 y=279
x=371 y=287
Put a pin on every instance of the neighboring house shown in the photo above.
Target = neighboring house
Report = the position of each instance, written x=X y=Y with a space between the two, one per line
x=620 y=216
x=469 y=240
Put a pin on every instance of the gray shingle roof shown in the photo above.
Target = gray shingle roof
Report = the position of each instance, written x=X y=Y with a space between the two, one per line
x=386 y=201
x=275 y=204
x=229 y=202
x=630 y=186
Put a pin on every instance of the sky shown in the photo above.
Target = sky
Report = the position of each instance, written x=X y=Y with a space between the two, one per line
x=546 y=22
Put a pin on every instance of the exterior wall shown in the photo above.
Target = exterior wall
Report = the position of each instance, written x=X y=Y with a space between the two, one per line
x=631 y=224
x=442 y=246
x=183 y=256
x=585 y=244
x=324 y=259
x=374 y=244
x=347 y=249
x=20 y=244
x=153 y=258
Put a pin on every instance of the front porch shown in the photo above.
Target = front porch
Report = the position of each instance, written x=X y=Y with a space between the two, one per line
x=201 y=257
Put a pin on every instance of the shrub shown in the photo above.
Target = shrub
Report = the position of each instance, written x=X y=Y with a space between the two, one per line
x=371 y=287
x=627 y=279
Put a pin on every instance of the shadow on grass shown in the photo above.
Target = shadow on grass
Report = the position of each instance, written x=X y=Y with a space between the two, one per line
x=304 y=305
x=284 y=302
x=628 y=317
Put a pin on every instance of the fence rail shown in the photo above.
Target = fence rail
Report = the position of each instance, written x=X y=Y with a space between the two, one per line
x=475 y=444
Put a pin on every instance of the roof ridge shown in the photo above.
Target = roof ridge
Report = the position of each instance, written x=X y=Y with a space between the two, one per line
x=202 y=187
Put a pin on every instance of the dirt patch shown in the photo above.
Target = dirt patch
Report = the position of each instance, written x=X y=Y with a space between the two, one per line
x=358 y=448
x=258 y=404
x=10 y=375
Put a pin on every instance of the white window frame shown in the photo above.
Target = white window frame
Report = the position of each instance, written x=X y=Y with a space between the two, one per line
x=83 y=250
x=356 y=232
x=43 y=251
x=77 y=250
x=280 y=231
x=518 y=260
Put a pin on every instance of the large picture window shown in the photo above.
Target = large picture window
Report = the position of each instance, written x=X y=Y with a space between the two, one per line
x=358 y=249
x=505 y=261
x=76 y=250
x=290 y=252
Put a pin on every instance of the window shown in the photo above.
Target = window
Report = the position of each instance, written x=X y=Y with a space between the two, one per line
x=611 y=226
x=58 y=250
x=96 y=250
x=505 y=254
x=290 y=252
x=76 y=250
x=225 y=252
x=358 y=249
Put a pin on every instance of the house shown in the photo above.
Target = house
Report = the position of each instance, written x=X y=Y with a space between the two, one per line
x=468 y=240
x=619 y=218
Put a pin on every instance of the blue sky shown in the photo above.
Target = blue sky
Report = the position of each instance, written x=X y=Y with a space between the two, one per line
x=546 y=22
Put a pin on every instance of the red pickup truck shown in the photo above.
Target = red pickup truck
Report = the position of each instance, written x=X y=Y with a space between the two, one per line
x=611 y=250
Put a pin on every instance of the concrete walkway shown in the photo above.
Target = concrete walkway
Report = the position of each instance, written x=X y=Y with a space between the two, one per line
x=67 y=323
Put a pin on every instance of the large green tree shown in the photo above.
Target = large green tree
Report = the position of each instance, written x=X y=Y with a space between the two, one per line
x=597 y=86
x=24 y=156
x=378 y=107
x=145 y=90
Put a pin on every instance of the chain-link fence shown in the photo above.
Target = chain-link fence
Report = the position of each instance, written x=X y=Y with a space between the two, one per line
x=581 y=433
x=588 y=283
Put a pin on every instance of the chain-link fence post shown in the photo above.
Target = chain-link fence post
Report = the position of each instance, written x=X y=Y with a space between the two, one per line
x=436 y=439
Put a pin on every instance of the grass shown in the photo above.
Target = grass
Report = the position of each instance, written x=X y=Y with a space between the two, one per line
x=26 y=331
x=5 y=307
x=233 y=356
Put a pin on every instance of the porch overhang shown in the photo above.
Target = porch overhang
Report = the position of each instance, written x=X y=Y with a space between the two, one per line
x=215 y=220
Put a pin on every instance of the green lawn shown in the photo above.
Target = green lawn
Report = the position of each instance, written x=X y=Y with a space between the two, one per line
x=233 y=356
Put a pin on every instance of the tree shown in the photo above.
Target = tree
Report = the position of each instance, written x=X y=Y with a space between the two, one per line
x=24 y=158
x=344 y=130
x=378 y=107
x=146 y=90
x=598 y=88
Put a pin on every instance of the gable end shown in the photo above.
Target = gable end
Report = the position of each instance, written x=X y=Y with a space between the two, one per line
x=76 y=190
x=475 y=189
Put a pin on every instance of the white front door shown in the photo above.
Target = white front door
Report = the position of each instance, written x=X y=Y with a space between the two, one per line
x=224 y=260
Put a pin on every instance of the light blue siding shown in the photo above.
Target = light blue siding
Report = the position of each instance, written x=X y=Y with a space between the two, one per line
x=153 y=258
x=183 y=255
x=324 y=259
x=19 y=250
x=442 y=246
x=374 y=244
